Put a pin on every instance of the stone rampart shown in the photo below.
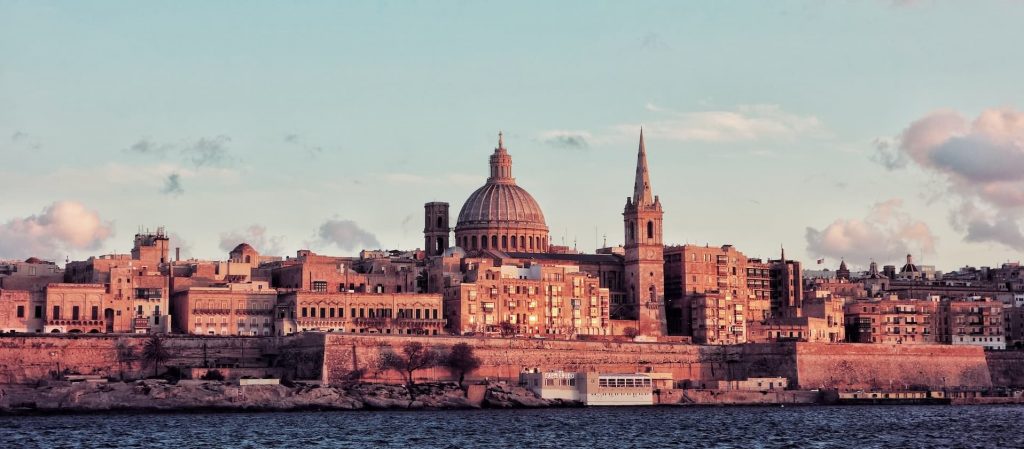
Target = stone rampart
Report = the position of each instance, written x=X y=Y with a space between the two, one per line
x=1006 y=368
x=882 y=366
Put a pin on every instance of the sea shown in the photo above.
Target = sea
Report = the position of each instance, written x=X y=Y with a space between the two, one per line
x=896 y=426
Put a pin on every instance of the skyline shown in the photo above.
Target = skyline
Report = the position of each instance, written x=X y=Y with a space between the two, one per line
x=290 y=131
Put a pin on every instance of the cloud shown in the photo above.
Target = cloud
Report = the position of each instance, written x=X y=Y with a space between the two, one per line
x=981 y=162
x=64 y=226
x=346 y=235
x=296 y=141
x=172 y=185
x=149 y=148
x=573 y=140
x=886 y=234
x=745 y=123
x=208 y=151
x=888 y=154
x=22 y=138
x=256 y=236
x=176 y=242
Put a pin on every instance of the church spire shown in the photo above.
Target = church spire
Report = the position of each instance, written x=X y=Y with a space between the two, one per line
x=642 y=186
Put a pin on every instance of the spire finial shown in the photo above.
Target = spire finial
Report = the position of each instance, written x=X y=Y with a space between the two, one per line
x=501 y=140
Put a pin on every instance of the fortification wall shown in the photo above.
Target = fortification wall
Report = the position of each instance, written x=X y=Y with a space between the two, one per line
x=30 y=358
x=506 y=358
x=865 y=366
x=1006 y=368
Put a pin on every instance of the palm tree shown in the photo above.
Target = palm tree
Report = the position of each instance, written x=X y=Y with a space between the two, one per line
x=155 y=352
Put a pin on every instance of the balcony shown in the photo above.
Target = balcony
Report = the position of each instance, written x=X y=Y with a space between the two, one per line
x=211 y=311
x=75 y=322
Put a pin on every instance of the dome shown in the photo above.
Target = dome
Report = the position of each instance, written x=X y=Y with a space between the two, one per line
x=501 y=204
x=34 y=260
x=501 y=215
x=242 y=247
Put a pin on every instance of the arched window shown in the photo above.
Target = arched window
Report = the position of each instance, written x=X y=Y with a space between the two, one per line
x=522 y=242
x=440 y=222
x=632 y=231
x=654 y=293
x=473 y=242
x=494 y=241
x=514 y=242
x=650 y=229
x=504 y=242
x=248 y=259
x=440 y=245
x=531 y=239
x=483 y=242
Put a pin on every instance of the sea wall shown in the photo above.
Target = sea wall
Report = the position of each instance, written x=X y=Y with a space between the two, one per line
x=874 y=366
x=30 y=358
x=339 y=358
x=1006 y=368
x=506 y=358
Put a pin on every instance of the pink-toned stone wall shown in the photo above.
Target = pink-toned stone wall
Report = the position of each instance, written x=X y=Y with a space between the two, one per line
x=1006 y=367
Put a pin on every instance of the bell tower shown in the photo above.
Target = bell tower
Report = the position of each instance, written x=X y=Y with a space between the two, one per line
x=645 y=263
x=435 y=229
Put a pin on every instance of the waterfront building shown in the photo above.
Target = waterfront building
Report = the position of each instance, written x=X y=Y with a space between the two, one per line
x=387 y=313
x=892 y=320
x=226 y=309
x=974 y=321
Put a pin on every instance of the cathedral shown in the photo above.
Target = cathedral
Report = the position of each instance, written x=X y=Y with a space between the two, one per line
x=503 y=274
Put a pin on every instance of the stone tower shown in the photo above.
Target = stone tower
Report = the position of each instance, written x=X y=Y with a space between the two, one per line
x=645 y=263
x=435 y=228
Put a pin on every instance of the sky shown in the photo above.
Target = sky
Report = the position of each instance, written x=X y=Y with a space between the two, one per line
x=857 y=130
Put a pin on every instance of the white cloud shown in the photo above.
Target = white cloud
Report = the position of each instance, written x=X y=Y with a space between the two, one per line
x=64 y=226
x=982 y=163
x=886 y=234
x=744 y=123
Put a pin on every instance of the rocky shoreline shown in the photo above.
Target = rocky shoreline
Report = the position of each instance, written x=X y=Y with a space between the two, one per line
x=155 y=395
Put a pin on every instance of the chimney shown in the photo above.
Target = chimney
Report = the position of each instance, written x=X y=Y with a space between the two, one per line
x=177 y=254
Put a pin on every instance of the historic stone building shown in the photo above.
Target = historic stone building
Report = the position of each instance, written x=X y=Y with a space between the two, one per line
x=500 y=215
x=645 y=261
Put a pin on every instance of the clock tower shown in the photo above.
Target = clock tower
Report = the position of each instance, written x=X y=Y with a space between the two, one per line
x=645 y=264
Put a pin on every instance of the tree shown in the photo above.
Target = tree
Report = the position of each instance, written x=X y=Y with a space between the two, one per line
x=415 y=356
x=462 y=361
x=155 y=352
x=507 y=329
x=630 y=332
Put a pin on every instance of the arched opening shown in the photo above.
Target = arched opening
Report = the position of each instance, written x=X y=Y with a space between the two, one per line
x=632 y=232
x=440 y=245
x=494 y=241
x=473 y=242
x=653 y=292
x=531 y=241
x=514 y=242
x=440 y=222
x=55 y=331
x=522 y=242
x=504 y=242
x=94 y=331
x=650 y=229
x=248 y=259
x=483 y=242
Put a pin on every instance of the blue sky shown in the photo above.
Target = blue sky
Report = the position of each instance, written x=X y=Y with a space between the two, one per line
x=328 y=124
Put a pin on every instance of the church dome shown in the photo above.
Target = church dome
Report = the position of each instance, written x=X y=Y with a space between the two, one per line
x=501 y=215
x=506 y=204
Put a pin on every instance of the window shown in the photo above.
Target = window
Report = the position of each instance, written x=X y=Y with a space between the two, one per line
x=95 y=313
x=56 y=312
x=320 y=286
x=21 y=311
x=650 y=229
x=39 y=312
